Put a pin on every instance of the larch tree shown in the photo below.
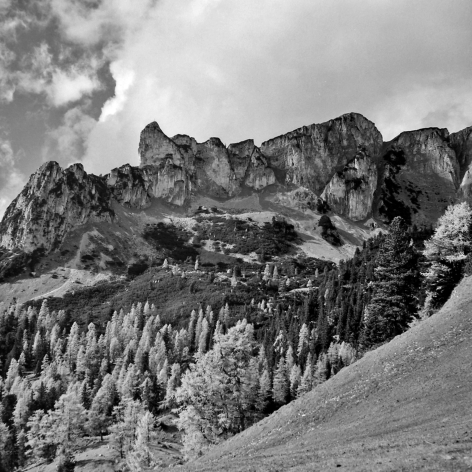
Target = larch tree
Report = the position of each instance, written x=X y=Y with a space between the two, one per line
x=446 y=252
x=126 y=416
x=141 y=455
x=99 y=415
x=280 y=387
x=218 y=392
x=306 y=382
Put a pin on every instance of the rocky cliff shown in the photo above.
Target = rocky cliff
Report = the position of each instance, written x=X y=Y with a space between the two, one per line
x=421 y=174
x=308 y=157
x=461 y=143
x=344 y=163
x=350 y=191
x=54 y=201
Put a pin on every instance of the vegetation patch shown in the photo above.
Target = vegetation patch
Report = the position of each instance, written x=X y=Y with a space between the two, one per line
x=171 y=240
x=245 y=236
x=329 y=232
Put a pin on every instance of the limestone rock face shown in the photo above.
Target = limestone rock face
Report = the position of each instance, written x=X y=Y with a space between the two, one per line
x=135 y=187
x=421 y=176
x=350 y=192
x=341 y=165
x=461 y=142
x=54 y=201
x=156 y=148
x=309 y=156
x=214 y=172
x=250 y=166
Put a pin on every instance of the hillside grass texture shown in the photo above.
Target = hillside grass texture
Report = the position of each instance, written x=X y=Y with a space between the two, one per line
x=404 y=406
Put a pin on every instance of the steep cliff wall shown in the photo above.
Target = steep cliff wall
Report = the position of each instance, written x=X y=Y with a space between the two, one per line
x=343 y=161
x=350 y=192
x=461 y=142
x=54 y=201
x=421 y=176
x=310 y=156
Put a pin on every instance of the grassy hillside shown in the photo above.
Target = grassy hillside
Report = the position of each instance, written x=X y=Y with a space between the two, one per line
x=405 y=406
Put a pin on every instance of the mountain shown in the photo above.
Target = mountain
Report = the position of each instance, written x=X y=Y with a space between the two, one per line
x=342 y=167
x=403 y=406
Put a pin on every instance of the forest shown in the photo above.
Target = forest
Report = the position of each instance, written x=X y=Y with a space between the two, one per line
x=219 y=366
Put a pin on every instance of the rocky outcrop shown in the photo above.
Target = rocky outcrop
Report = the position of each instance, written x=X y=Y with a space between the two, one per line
x=421 y=176
x=342 y=165
x=310 y=156
x=350 y=192
x=54 y=201
x=461 y=142
x=135 y=187
x=155 y=148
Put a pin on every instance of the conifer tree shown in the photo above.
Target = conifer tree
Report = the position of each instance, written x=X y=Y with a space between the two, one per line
x=295 y=377
x=394 y=297
x=280 y=388
x=141 y=455
x=264 y=390
x=218 y=392
x=446 y=252
x=126 y=416
x=306 y=382
x=266 y=275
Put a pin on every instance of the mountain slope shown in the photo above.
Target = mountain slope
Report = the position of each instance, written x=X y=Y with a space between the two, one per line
x=405 y=406
x=68 y=218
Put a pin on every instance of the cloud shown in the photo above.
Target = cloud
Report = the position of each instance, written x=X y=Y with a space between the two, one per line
x=427 y=106
x=60 y=84
x=259 y=69
x=248 y=69
x=89 y=22
x=12 y=179
x=124 y=79
x=7 y=85
x=67 y=143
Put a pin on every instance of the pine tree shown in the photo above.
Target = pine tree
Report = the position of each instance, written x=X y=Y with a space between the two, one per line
x=264 y=390
x=141 y=456
x=172 y=385
x=295 y=378
x=126 y=417
x=280 y=388
x=393 y=303
x=99 y=415
x=306 y=382
x=266 y=275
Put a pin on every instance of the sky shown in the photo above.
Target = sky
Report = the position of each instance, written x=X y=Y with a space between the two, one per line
x=79 y=79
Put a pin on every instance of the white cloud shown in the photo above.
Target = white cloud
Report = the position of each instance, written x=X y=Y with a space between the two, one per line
x=257 y=69
x=60 y=84
x=5 y=4
x=124 y=79
x=439 y=106
x=67 y=143
x=11 y=178
x=7 y=85
x=90 y=22
x=70 y=87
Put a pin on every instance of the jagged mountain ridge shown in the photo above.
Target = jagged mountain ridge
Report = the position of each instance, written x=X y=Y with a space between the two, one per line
x=344 y=160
